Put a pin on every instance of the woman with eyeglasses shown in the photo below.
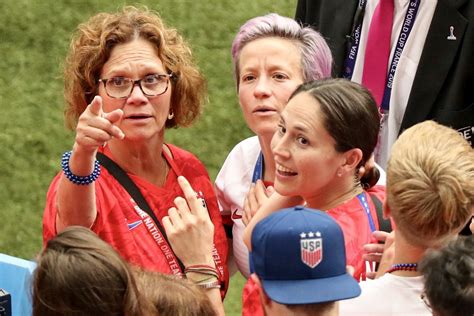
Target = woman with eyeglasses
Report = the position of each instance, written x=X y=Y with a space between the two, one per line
x=128 y=78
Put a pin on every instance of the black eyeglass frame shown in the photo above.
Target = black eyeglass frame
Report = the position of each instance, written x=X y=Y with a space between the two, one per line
x=169 y=76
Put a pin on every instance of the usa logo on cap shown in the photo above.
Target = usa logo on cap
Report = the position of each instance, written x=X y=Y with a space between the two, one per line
x=311 y=248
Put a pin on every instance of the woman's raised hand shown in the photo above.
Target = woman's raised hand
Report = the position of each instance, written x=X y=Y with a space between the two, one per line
x=95 y=127
x=191 y=236
x=256 y=196
x=189 y=228
x=379 y=254
x=76 y=203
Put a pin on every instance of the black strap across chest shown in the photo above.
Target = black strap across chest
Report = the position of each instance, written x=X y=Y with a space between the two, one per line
x=122 y=177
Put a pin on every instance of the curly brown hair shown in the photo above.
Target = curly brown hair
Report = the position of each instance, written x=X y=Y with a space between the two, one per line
x=93 y=42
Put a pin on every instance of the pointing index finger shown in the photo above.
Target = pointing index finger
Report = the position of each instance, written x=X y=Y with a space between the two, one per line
x=195 y=203
x=186 y=188
x=95 y=107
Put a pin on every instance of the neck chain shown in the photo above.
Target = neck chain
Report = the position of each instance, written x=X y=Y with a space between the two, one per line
x=403 y=267
x=164 y=175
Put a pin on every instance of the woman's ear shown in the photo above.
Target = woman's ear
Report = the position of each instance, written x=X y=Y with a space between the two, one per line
x=352 y=159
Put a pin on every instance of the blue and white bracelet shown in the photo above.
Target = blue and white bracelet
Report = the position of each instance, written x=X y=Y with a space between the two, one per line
x=86 y=180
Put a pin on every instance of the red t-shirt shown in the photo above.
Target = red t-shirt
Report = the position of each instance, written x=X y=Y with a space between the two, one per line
x=354 y=222
x=119 y=224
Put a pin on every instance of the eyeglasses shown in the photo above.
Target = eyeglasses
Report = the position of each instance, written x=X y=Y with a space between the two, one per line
x=151 y=85
x=425 y=300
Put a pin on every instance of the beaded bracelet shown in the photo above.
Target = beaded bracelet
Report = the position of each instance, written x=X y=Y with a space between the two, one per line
x=79 y=180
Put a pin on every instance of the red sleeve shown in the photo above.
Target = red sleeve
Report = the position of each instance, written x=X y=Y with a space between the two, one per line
x=49 y=215
x=251 y=305
x=50 y=210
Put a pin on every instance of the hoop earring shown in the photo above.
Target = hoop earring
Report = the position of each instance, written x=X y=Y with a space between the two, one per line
x=170 y=115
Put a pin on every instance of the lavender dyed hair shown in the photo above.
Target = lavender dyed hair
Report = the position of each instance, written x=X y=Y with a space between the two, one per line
x=316 y=58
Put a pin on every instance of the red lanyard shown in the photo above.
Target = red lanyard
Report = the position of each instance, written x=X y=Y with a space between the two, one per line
x=160 y=241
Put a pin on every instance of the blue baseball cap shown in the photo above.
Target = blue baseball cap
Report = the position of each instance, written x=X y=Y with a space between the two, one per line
x=300 y=258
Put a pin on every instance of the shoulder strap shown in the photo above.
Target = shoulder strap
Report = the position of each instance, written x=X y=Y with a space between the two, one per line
x=384 y=224
x=122 y=177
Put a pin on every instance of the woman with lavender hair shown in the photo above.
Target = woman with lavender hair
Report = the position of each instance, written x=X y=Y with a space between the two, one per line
x=272 y=55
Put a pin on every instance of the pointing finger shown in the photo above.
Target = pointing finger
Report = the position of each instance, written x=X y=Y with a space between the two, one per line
x=186 y=187
x=96 y=105
x=260 y=192
x=195 y=204
x=113 y=117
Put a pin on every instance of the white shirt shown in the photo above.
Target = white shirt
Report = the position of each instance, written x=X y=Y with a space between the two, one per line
x=232 y=185
x=388 y=295
x=406 y=70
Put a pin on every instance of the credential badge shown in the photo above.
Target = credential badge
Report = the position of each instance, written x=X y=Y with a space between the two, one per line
x=311 y=248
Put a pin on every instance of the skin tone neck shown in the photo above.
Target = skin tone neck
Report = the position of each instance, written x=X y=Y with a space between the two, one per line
x=143 y=159
x=341 y=191
x=404 y=252
x=269 y=162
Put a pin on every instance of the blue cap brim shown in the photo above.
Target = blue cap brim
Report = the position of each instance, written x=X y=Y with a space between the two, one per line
x=312 y=291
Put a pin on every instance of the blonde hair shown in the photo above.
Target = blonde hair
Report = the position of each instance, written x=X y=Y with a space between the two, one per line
x=172 y=296
x=430 y=187
x=93 y=42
